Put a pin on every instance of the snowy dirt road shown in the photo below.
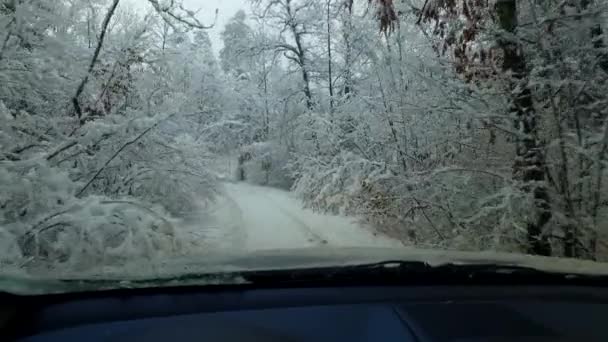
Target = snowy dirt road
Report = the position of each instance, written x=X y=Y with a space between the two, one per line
x=257 y=218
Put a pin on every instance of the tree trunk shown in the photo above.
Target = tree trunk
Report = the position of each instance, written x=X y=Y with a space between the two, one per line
x=301 y=56
x=89 y=30
x=83 y=83
x=529 y=166
x=266 y=106
x=305 y=77
x=348 y=59
x=166 y=28
x=329 y=76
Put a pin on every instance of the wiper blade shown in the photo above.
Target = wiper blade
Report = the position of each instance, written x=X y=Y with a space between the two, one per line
x=420 y=273
x=391 y=272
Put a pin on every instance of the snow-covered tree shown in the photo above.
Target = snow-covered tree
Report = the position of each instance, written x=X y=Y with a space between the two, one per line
x=455 y=124
x=91 y=171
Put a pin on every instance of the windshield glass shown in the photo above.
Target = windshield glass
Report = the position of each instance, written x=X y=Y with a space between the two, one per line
x=138 y=132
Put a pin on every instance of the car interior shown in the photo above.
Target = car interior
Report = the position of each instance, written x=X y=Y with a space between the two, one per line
x=312 y=313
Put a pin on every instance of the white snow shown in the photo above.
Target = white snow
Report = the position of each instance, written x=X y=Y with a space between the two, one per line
x=267 y=218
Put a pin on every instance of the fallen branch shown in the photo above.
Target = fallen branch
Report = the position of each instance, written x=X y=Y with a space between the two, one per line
x=60 y=149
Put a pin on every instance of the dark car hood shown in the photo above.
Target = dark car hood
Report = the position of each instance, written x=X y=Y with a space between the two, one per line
x=227 y=266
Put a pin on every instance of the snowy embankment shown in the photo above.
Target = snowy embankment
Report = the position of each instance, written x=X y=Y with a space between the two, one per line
x=255 y=218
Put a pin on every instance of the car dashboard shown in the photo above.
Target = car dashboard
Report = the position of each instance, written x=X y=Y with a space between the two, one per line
x=352 y=313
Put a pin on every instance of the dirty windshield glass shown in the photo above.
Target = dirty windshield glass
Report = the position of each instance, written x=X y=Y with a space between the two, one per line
x=133 y=132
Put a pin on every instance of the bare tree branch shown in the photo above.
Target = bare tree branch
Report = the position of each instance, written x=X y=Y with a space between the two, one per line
x=189 y=19
x=63 y=147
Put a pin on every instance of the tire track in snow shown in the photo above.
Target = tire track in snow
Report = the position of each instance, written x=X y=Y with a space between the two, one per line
x=234 y=232
x=266 y=225
x=313 y=237
x=210 y=231
x=274 y=219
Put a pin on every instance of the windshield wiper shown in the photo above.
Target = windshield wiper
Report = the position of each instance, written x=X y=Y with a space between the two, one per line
x=392 y=272
x=420 y=273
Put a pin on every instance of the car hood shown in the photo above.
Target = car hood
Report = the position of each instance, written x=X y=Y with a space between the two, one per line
x=285 y=259
x=227 y=266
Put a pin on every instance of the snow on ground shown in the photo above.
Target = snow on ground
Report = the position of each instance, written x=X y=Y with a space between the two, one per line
x=215 y=228
x=252 y=218
x=260 y=218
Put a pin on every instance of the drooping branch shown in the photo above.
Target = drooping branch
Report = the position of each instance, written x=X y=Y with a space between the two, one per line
x=122 y=148
x=186 y=17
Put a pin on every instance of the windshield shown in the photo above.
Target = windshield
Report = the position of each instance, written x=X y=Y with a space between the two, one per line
x=138 y=132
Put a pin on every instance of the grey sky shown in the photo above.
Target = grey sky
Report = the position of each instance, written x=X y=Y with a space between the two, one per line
x=227 y=8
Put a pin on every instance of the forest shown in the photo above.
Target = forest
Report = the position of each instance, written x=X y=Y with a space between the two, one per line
x=476 y=125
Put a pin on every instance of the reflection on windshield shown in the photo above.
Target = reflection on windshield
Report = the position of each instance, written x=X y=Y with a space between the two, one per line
x=145 y=130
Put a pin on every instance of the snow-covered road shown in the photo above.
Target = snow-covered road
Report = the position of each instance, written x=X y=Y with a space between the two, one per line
x=253 y=218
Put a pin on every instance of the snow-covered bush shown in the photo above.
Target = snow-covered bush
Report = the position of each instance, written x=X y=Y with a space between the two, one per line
x=43 y=222
x=156 y=167
x=102 y=151
x=449 y=207
x=111 y=192
x=335 y=187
